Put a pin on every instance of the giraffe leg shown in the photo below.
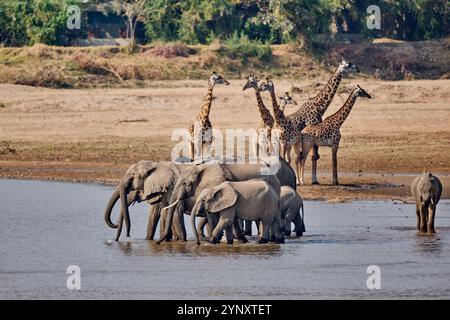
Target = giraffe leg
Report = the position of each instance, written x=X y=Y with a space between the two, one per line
x=207 y=152
x=287 y=153
x=255 y=147
x=192 y=150
x=306 y=148
x=267 y=142
x=314 y=159
x=334 y=150
x=298 y=157
x=282 y=153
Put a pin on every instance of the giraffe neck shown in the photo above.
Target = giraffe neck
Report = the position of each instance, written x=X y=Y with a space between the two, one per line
x=341 y=115
x=264 y=112
x=206 y=108
x=279 y=115
x=326 y=95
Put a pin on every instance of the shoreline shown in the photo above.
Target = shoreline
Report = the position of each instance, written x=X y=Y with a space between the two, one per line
x=354 y=186
x=93 y=136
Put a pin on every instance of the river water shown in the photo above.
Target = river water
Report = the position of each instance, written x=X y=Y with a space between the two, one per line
x=47 y=226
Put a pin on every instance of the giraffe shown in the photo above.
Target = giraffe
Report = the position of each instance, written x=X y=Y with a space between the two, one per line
x=267 y=121
x=283 y=130
x=311 y=111
x=327 y=133
x=200 y=129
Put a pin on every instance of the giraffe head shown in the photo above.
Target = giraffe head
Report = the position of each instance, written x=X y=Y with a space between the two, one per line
x=217 y=79
x=287 y=99
x=267 y=86
x=346 y=66
x=252 y=82
x=362 y=93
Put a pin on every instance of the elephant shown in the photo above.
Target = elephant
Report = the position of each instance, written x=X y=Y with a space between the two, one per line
x=252 y=200
x=144 y=181
x=426 y=190
x=154 y=182
x=291 y=203
x=196 y=178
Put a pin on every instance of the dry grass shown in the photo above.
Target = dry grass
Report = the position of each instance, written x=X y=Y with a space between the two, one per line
x=93 y=67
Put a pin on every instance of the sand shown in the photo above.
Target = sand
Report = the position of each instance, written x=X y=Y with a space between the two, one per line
x=94 y=135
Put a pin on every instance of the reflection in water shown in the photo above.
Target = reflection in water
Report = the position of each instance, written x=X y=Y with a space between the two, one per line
x=329 y=261
x=428 y=244
x=150 y=248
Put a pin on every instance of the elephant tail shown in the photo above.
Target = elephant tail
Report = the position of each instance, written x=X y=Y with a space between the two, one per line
x=112 y=201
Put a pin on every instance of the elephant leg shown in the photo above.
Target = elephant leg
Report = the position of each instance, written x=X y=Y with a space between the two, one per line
x=153 y=219
x=287 y=228
x=162 y=227
x=178 y=227
x=423 y=218
x=431 y=215
x=258 y=226
x=276 y=227
x=418 y=216
x=247 y=227
x=218 y=231
x=237 y=229
x=299 y=226
x=265 y=230
x=209 y=227
x=229 y=233
x=201 y=226
x=182 y=225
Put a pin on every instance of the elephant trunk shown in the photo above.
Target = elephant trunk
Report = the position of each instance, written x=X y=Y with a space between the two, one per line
x=124 y=200
x=168 y=221
x=124 y=212
x=194 y=228
x=112 y=201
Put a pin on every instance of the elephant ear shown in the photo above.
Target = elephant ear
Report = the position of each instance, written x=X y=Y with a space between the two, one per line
x=224 y=197
x=160 y=180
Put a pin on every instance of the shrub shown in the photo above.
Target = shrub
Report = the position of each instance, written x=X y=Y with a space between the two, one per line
x=239 y=46
x=170 y=50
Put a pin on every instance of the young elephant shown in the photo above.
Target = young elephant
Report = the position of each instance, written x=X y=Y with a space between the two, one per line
x=426 y=191
x=291 y=204
x=251 y=200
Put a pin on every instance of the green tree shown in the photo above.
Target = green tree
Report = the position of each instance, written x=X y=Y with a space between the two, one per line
x=133 y=11
x=13 y=30
x=46 y=21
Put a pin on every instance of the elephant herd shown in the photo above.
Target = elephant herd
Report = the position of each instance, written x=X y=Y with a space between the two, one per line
x=224 y=197
x=227 y=198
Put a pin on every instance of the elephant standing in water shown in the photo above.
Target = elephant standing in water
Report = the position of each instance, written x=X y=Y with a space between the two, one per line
x=291 y=205
x=254 y=200
x=155 y=182
x=426 y=191
x=196 y=178
x=145 y=181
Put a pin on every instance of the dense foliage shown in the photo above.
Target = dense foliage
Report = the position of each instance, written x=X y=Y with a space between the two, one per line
x=25 y=22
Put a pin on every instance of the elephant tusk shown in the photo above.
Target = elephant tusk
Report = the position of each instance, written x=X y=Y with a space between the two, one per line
x=170 y=206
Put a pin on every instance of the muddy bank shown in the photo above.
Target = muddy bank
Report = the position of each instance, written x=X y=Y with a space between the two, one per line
x=354 y=186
